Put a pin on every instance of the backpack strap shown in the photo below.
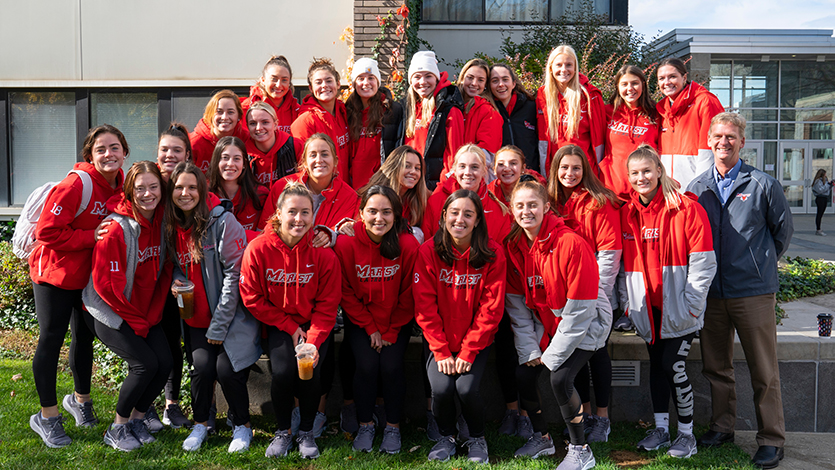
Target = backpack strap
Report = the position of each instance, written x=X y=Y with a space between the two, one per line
x=86 y=190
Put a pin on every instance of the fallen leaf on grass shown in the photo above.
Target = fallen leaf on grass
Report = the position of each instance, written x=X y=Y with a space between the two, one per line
x=12 y=393
x=17 y=377
x=414 y=449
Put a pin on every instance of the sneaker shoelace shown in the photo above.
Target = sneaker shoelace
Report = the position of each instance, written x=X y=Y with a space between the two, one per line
x=390 y=430
x=526 y=424
x=88 y=414
x=477 y=442
x=55 y=427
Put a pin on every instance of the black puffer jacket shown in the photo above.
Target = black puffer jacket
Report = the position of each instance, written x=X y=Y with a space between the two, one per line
x=519 y=129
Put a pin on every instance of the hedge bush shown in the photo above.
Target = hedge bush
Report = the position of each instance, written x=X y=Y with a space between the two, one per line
x=6 y=230
x=17 y=303
x=804 y=277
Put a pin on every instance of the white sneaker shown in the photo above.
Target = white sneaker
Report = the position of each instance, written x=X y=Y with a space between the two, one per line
x=198 y=436
x=241 y=438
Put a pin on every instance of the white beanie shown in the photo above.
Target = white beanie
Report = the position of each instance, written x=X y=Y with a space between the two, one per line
x=366 y=65
x=424 y=61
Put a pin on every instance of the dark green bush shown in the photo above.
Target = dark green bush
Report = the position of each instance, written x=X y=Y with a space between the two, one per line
x=17 y=303
x=6 y=230
x=804 y=277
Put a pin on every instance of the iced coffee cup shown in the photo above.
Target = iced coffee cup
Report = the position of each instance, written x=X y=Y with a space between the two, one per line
x=305 y=357
x=185 y=298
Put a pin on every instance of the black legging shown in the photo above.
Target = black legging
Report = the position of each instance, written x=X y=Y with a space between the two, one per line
x=506 y=360
x=149 y=363
x=57 y=310
x=171 y=325
x=211 y=363
x=347 y=363
x=467 y=386
x=562 y=384
x=667 y=372
x=286 y=383
x=387 y=365
x=600 y=366
x=820 y=202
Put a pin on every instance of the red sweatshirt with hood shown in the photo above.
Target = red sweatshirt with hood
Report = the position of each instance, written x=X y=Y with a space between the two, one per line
x=365 y=158
x=341 y=202
x=590 y=135
x=264 y=163
x=246 y=214
x=203 y=143
x=286 y=112
x=458 y=307
x=498 y=218
x=288 y=287
x=683 y=132
x=62 y=256
x=313 y=119
x=376 y=291
x=147 y=299
x=627 y=128
x=495 y=186
x=483 y=125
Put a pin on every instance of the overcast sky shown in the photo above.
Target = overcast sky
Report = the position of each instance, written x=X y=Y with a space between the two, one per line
x=650 y=16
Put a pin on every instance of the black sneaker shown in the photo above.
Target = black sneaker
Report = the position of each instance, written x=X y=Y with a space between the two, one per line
x=174 y=417
x=140 y=431
x=211 y=423
x=510 y=423
x=83 y=413
x=51 y=430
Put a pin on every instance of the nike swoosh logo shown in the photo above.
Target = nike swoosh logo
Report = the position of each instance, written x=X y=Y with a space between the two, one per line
x=310 y=265
x=250 y=216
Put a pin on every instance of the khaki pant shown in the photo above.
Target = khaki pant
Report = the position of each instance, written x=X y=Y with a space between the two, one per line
x=754 y=322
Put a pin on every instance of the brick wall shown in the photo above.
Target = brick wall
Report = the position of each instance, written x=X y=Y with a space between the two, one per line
x=366 y=30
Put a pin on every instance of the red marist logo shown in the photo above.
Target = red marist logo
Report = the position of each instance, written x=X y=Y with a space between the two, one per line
x=448 y=276
x=743 y=197
x=100 y=208
x=623 y=128
x=278 y=276
x=367 y=272
x=535 y=281
x=649 y=233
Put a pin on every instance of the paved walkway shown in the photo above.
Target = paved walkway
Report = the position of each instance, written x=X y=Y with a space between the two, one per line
x=808 y=245
x=803 y=450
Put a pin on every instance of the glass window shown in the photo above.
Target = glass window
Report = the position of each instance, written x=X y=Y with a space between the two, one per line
x=188 y=108
x=452 y=10
x=770 y=158
x=759 y=114
x=755 y=84
x=760 y=131
x=720 y=81
x=571 y=8
x=808 y=84
x=135 y=114
x=807 y=115
x=806 y=131
x=515 y=10
x=43 y=139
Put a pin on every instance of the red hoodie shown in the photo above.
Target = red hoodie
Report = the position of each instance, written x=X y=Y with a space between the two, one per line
x=202 y=312
x=203 y=143
x=454 y=129
x=627 y=129
x=147 y=298
x=590 y=132
x=558 y=267
x=365 y=155
x=314 y=119
x=454 y=321
x=497 y=216
x=286 y=112
x=340 y=202
x=377 y=292
x=65 y=242
x=495 y=187
x=263 y=163
x=247 y=215
x=683 y=132
x=483 y=126
x=288 y=287
x=599 y=227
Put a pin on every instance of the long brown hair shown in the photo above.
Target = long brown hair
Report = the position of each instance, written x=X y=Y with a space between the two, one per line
x=329 y=141
x=390 y=245
x=518 y=87
x=247 y=186
x=480 y=252
x=377 y=107
x=645 y=102
x=198 y=220
x=389 y=175
x=140 y=168
x=484 y=94
x=559 y=193
x=280 y=61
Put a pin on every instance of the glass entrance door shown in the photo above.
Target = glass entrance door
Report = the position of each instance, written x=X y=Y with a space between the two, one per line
x=799 y=162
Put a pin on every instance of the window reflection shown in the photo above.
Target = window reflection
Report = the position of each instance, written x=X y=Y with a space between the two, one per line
x=808 y=84
x=755 y=84
x=135 y=114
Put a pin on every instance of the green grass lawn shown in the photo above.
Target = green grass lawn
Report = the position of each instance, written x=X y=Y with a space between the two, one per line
x=21 y=448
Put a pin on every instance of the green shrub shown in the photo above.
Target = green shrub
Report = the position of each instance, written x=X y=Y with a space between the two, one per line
x=804 y=277
x=6 y=230
x=17 y=303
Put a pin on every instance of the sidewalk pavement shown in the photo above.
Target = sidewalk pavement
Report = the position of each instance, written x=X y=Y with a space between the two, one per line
x=803 y=450
x=808 y=245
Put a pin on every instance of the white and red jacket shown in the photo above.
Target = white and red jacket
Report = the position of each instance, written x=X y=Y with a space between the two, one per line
x=683 y=130
x=498 y=218
x=591 y=129
x=483 y=127
x=458 y=307
x=65 y=242
x=669 y=263
x=203 y=143
x=289 y=287
x=627 y=129
x=377 y=292
x=341 y=202
x=553 y=294
x=314 y=119
x=286 y=112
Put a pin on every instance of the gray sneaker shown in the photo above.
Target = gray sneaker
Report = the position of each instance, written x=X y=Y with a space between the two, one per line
x=463 y=429
x=391 y=440
x=656 y=439
x=51 y=430
x=196 y=438
x=152 y=421
x=600 y=430
x=83 y=413
x=348 y=419
x=444 y=449
x=683 y=447
x=524 y=428
x=280 y=444
x=174 y=417
x=307 y=445
x=140 y=431
x=536 y=446
x=319 y=424
x=510 y=423
x=119 y=437
x=578 y=458
x=478 y=450
x=365 y=438
x=432 y=431
x=624 y=323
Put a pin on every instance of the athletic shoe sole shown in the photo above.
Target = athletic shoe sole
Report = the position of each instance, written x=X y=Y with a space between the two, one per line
x=36 y=428
x=694 y=452
x=659 y=446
